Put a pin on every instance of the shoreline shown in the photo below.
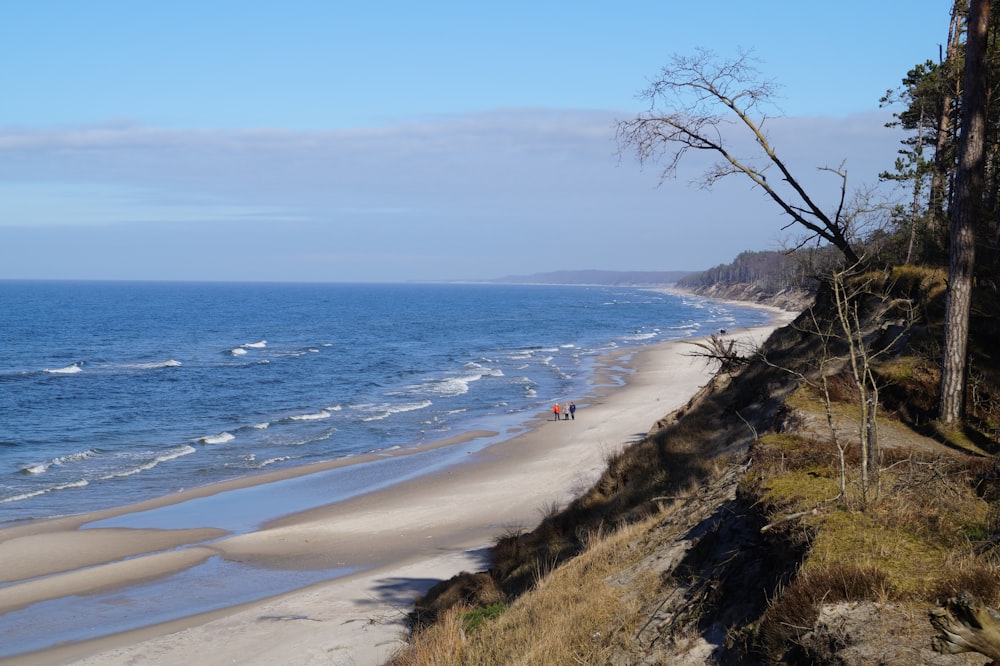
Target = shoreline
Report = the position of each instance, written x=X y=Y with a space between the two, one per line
x=389 y=544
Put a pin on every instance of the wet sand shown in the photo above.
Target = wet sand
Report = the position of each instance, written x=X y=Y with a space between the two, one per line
x=355 y=561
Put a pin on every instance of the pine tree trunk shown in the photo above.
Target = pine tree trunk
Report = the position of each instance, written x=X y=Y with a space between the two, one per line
x=965 y=214
x=943 y=164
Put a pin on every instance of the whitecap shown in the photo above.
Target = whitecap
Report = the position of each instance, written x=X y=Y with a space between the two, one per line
x=316 y=416
x=42 y=491
x=255 y=345
x=455 y=386
x=156 y=366
x=450 y=388
x=221 y=438
x=175 y=453
x=74 y=457
x=380 y=412
x=271 y=461
x=68 y=370
x=261 y=426
x=238 y=351
x=42 y=467
x=163 y=457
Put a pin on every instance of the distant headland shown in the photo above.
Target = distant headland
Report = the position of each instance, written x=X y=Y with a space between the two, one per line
x=614 y=278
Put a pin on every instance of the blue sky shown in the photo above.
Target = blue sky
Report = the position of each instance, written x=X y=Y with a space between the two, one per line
x=390 y=141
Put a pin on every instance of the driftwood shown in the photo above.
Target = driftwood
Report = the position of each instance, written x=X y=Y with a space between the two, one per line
x=965 y=624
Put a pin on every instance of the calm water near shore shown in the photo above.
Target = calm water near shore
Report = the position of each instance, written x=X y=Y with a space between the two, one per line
x=112 y=393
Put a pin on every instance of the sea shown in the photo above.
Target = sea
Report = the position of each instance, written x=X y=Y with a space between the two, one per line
x=117 y=392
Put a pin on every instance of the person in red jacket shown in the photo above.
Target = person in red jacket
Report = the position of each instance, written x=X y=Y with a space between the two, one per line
x=555 y=411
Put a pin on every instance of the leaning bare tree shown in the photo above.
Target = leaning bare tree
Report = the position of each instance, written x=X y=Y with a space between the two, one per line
x=691 y=105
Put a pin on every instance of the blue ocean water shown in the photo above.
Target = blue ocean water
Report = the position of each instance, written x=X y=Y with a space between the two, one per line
x=116 y=392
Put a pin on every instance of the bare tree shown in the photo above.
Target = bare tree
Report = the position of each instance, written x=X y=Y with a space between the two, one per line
x=966 y=212
x=860 y=357
x=854 y=337
x=690 y=105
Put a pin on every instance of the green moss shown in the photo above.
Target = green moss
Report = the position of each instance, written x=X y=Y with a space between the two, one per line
x=475 y=618
x=802 y=489
x=902 y=369
x=912 y=564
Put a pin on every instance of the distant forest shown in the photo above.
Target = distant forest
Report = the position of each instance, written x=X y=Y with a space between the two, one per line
x=619 y=278
x=769 y=272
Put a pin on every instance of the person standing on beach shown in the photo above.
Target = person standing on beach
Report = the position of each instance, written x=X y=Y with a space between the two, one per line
x=565 y=412
x=555 y=411
x=572 y=410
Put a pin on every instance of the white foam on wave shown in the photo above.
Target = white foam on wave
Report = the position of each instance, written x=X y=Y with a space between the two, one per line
x=67 y=370
x=42 y=491
x=36 y=468
x=221 y=438
x=325 y=435
x=254 y=345
x=58 y=461
x=180 y=451
x=74 y=457
x=163 y=457
x=380 y=412
x=261 y=426
x=455 y=386
x=298 y=352
x=315 y=416
x=271 y=461
x=156 y=366
x=238 y=351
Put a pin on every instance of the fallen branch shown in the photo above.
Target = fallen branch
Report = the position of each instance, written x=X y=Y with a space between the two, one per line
x=792 y=516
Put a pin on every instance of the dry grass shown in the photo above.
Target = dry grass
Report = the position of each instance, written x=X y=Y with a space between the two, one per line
x=933 y=530
x=925 y=538
x=573 y=616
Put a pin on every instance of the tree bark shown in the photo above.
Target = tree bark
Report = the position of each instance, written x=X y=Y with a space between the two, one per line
x=965 y=214
x=943 y=164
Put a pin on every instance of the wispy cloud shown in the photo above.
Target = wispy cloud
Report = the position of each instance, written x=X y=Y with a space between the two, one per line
x=496 y=186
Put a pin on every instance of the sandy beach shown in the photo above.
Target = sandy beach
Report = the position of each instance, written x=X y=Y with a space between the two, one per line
x=361 y=560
